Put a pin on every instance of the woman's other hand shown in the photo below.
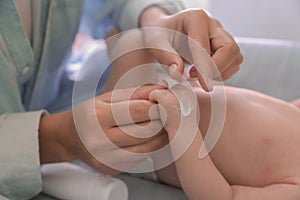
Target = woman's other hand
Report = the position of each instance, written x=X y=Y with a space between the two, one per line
x=60 y=142
x=201 y=29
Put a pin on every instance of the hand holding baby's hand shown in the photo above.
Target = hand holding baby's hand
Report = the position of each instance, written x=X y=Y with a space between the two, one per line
x=178 y=108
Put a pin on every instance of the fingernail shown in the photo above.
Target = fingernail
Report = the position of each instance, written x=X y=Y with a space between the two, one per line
x=154 y=112
x=163 y=83
x=210 y=84
x=173 y=67
x=153 y=95
x=173 y=71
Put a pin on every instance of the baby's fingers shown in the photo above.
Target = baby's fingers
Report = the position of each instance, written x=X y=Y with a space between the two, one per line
x=160 y=96
x=169 y=109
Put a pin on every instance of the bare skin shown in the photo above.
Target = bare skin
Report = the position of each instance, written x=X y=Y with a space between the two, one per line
x=59 y=133
x=256 y=157
x=296 y=103
x=167 y=48
x=58 y=136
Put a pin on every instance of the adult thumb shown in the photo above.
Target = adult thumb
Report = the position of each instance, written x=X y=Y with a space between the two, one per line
x=144 y=91
x=166 y=55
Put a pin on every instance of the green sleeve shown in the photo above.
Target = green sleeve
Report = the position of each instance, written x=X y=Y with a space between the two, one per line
x=20 y=175
x=126 y=16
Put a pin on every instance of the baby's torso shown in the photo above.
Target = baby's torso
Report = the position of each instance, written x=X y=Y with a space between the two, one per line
x=260 y=142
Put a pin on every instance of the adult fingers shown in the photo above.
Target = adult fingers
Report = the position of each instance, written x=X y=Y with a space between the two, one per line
x=227 y=74
x=161 y=96
x=232 y=69
x=225 y=49
x=130 y=112
x=119 y=95
x=127 y=157
x=178 y=99
x=167 y=99
x=205 y=83
x=199 y=46
x=172 y=61
x=144 y=91
x=150 y=146
x=113 y=161
x=134 y=134
x=160 y=47
x=198 y=34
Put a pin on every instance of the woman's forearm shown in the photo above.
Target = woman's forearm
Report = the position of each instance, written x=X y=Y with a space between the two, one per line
x=132 y=65
x=51 y=131
x=150 y=14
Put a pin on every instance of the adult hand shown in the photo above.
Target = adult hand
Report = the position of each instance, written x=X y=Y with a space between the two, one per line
x=201 y=29
x=60 y=142
x=179 y=108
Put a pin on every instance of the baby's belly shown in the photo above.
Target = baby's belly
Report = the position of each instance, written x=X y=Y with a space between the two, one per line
x=260 y=142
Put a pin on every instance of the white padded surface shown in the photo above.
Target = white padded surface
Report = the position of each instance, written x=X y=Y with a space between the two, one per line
x=270 y=66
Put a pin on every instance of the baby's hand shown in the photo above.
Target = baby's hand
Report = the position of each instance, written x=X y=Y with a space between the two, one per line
x=178 y=108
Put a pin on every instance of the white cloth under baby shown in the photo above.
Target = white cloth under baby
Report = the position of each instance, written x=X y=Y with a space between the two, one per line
x=145 y=169
x=71 y=182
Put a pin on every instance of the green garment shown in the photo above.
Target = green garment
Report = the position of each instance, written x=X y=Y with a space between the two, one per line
x=23 y=72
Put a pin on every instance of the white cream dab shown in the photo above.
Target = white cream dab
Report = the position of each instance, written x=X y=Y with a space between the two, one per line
x=186 y=106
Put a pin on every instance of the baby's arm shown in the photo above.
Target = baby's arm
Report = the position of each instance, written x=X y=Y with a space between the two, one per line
x=200 y=178
x=296 y=103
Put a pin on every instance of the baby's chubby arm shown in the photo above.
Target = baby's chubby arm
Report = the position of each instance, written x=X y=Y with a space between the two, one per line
x=296 y=103
x=200 y=178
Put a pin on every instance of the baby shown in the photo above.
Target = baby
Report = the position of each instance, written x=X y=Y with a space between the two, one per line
x=256 y=157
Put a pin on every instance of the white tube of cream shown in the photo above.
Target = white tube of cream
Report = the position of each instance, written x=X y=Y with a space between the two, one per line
x=71 y=182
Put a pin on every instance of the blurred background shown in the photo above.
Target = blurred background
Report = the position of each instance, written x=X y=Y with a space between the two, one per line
x=267 y=26
x=275 y=19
